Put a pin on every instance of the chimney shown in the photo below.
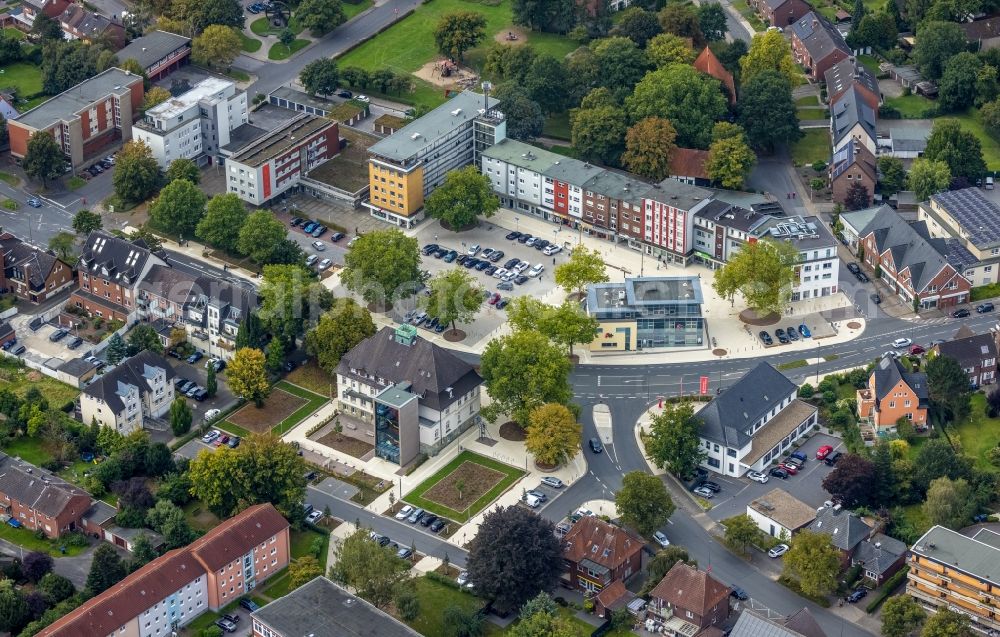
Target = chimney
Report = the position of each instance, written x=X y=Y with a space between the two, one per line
x=815 y=23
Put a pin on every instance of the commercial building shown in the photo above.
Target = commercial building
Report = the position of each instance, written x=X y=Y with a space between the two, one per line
x=159 y=53
x=818 y=268
x=597 y=553
x=646 y=312
x=86 y=120
x=406 y=393
x=321 y=608
x=407 y=166
x=80 y=24
x=973 y=220
x=976 y=355
x=753 y=422
x=275 y=162
x=109 y=271
x=949 y=570
x=171 y=591
x=893 y=392
x=39 y=500
x=139 y=388
x=31 y=274
x=194 y=124
x=687 y=601
x=780 y=514
x=817 y=45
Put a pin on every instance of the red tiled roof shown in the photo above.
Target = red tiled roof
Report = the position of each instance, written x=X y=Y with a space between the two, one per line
x=709 y=64
x=689 y=162
x=686 y=587
x=614 y=594
x=594 y=539
x=234 y=537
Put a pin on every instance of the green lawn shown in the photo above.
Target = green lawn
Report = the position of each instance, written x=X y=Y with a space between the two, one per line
x=27 y=540
x=28 y=449
x=811 y=113
x=814 y=146
x=279 y=51
x=58 y=394
x=978 y=433
x=351 y=9
x=558 y=126
x=301 y=542
x=808 y=100
x=748 y=13
x=250 y=45
x=15 y=34
x=238 y=75
x=910 y=106
x=278 y=585
x=315 y=401
x=9 y=179
x=75 y=182
x=567 y=151
x=26 y=78
x=870 y=63
x=972 y=122
x=262 y=27
x=512 y=475
x=434 y=598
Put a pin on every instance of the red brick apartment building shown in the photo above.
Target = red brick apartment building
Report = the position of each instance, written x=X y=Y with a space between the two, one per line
x=109 y=272
x=40 y=501
x=86 y=120
x=174 y=589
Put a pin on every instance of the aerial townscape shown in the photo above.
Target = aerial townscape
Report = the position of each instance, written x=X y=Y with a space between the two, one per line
x=468 y=318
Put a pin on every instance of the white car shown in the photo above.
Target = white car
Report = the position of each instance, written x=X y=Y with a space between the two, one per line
x=404 y=512
x=500 y=273
x=553 y=482
x=778 y=551
x=314 y=516
x=536 y=271
x=363 y=98
x=212 y=413
x=319 y=245
x=757 y=476
x=900 y=343
x=584 y=513
x=661 y=539
x=473 y=250
x=552 y=249
x=705 y=492
x=210 y=436
x=521 y=267
x=325 y=263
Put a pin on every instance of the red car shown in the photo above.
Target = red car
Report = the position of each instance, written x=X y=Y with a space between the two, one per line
x=916 y=350
x=494 y=298
x=790 y=468
x=221 y=440
x=823 y=452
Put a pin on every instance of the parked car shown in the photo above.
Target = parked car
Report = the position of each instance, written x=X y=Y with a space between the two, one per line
x=200 y=394
x=20 y=349
x=704 y=492
x=473 y=250
x=832 y=459
x=789 y=467
x=226 y=625
x=778 y=551
x=512 y=236
x=595 y=445
x=404 y=512
x=901 y=343
x=345 y=94
x=318 y=246
x=404 y=553
x=857 y=595
x=962 y=313
x=553 y=482
x=429 y=248
x=711 y=486
x=780 y=335
x=757 y=476
x=249 y=604
x=233 y=617
x=295 y=222
x=194 y=358
x=536 y=270
x=917 y=350
x=765 y=338
x=319 y=232
x=415 y=516
x=210 y=436
x=494 y=298
x=427 y=520
x=800 y=455
x=524 y=238
x=739 y=593
x=58 y=335
x=792 y=333
x=982 y=308
x=502 y=304
x=34 y=203
x=463 y=578
x=212 y=413
x=76 y=342
x=823 y=452
x=778 y=472
x=438 y=525
x=876 y=299
x=314 y=516
x=324 y=264
x=661 y=539
x=862 y=277
x=496 y=256
x=854 y=268
x=804 y=331
x=309 y=227
x=362 y=98
x=450 y=256
x=551 y=250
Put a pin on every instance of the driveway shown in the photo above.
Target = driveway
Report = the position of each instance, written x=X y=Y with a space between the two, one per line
x=196 y=372
x=75 y=568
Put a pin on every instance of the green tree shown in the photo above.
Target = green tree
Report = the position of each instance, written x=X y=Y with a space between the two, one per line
x=337 y=332
x=291 y=298
x=303 y=569
x=741 y=532
x=459 y=31
x=682 y=20
x=106 y=569
x=620 y=63
x=566 y=324
x=178 y=209
x=154 y=97
x=762 y=272
x=383 y=264
x=85 y=222
x=643 y=502
x=46 y=28
x=876 y=30
x=553 y=434
x=524 y=115
x=928 y=177
x=246 y=375
x=957 y=88
x=949 y=503
x=673 y=443
x=947 y=623
x=902 y=615
x=260 y=235
x=462 y=621
x=465 y=195
x=218 y=45
x=223 y=222
x=584 y=267
x=948 y=388
x=168 y=519
x=321 y=16
x=55 y=587
x=183 y=169
x=649 y=145
x=598 y=133
x=14 y=611
x=143 y=337
x=691 y=100
x=202 y=13
x=117 y=349
x=958 y=148
x=893 y=174
x=813 y=561
x=637 y=24
x=857 y=197
x=668 y=48
x=553 y=16
x=136 y=174
x=510 y=359
x=987 y=84
x=320 y=76
x=211 y=384
x=44 y=158
x=937 y=42
x=142 y=552
x=180 y=416
x=661 y=564
x=454 y=295
x=545 y=84
x=63 y=243
x=712 y=21
x=539 y=618
x=407 y=602
x=769 y=51
x=372 y=571
x=730 y=161
x=767 y=111
x=505 y=62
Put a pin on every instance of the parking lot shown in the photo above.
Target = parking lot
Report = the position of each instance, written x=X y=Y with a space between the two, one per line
x=39 y=344
x=196 y=373
x=806 y=485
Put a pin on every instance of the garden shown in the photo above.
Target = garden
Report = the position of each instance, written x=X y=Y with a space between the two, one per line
x=464 y=487
x=286 y=406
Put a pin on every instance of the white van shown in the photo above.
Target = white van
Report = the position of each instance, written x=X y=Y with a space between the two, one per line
x=989 y=183
x=532 y=501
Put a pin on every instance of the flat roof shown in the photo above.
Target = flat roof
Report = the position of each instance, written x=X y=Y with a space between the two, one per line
x=281 y=140
x=152 y=47
x=422 y=132
x=301 y=97
x=179 y=105
x=967 y=554
x=643 y=291
x=395 y=396
x=784 y=508
x=113 y=81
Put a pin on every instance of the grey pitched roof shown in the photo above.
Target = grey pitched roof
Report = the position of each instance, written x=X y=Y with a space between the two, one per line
x=909 y=248
x=846 y=73
x=849 y=109
x=83 y=21
x=818 y=36
x=731 y=216
x=845 y=529
x=800 y=624
x=320 y=608
x=44 y=492
x=429 y=369
x=879 y=553
x=76 y=367
x=853 y=154
x=109 y=257
x=971 y=350
x=29 y=262
x=100 y=512
x=978 y=216
x=889 y=371
x=725 y=420
x=130 y=371
x=152 y=47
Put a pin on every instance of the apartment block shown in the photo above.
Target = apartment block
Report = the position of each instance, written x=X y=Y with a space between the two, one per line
x=968 y=217
x=171 y=591
x=818 y=268
x=159 y=53
x=138 y=389
x=195 y=124
x=109 y=271
x=38 y=500
x=407 y=166
x=86 y=120
x=275 y=162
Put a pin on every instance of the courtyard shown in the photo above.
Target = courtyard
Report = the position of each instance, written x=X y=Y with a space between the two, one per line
x=464 y=487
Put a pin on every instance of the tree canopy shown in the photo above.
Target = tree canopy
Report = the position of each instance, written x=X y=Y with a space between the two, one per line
x=584 y=267
x=649 y=145
x=937 y=42
x=260 y=234
x=813 y=561
x=383 y=264
x=643 y=502
x=454 y=296
x=928 y=177
x=459 y=31
x=43 y=158
x=763 y=272
x=320 y=76
x=769 y=51
x=465 y=195
x=673 y=442
x=341 y=328
x=691 y=100
x=767 y=111
x=553 y=434
x=247 y=377
x=959 y=149
x=321 y=16
x=217 y=46
x=225 y=215
x=523 y=371
x=178 y=209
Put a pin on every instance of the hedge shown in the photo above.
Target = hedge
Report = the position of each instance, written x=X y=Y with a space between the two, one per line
x=886 y=589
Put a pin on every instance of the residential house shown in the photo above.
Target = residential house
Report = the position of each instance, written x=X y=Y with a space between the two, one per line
x=753 y=422
x=848 y=74
x=78 y=23
x=31 y=9
x=688 y=166
x=982 y=34
x=852 y=119
x=139 y=388
x=39 y=500
x=87 y=121
x=817 y=45
x=912 y=264
x=614 y=597
x=159 y=53
x=879 y=557
x=892 y=393
x=215 y=570
x=853 y=164
x=689 y=596
x=406 y=394
x=905 y=142
x=780 y=13
x=707 y=63
x=976 y=355
x=109 y=272
x=752 y=623
x=596 y=554
x=321 y=608
x=949 y=570
x=846 y=530
x=31 y=274
x=970 y=218
x=780 y=514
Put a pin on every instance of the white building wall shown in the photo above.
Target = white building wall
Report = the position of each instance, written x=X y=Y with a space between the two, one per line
x=819 y=273
x=767 y=525
x=176 y=610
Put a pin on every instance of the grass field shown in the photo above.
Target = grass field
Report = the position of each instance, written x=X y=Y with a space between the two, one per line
x=28 y=449
x=26 y=78
x=558 y=126
x=434 y=598
x=467 y=461
x=351 y=10
x=811 y=113
x=909 y=106
x=807 y=101
x=870 y=63
x=250 y=45
x=972 y=122
x=15 y=34
x=9 y=179
x=978 y=433
x=309 y=375
x=26 y=539
x=58 y=394
x=262 y=27
x=279 y=51
x=75 y=182
x=814 y=146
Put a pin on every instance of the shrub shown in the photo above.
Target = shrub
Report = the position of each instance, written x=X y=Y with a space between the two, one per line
x=886 y=589
x=829 y=397
x=993 y=455
x=806 y=391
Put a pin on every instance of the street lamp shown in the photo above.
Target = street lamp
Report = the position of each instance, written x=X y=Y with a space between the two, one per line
x=517 y=224
x=817 y=359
